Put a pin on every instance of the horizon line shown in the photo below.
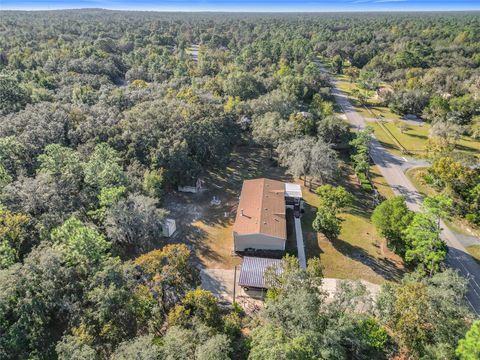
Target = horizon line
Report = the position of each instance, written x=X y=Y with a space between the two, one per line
x=182 y=10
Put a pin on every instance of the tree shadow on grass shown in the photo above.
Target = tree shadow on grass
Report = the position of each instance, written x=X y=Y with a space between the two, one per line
x=194 y=238
x=386 y=268
x=423 y=137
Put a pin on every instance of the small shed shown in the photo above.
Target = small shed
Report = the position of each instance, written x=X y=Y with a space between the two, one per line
x=169 y=226
x=293 y=193
x=252 y=272
x=193 y=188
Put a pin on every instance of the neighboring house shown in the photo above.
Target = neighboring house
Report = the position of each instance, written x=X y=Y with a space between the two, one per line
x=260 y=223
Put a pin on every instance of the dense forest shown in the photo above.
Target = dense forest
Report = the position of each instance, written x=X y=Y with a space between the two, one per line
x=102 y=113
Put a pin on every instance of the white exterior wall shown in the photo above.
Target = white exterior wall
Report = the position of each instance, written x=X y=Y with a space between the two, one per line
x=257 y=241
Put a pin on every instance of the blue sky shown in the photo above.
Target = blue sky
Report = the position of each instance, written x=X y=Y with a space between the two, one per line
x=248 y=5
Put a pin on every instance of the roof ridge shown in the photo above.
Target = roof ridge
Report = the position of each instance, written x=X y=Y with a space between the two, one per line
x=262 y=214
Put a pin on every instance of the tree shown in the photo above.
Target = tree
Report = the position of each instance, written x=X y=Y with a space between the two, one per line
x=425 y=248
x=153 y=183
x=391 y=218
x=33 y=295
x=298 y=323
x=107 y=198
x=199 y=305
x=324 y=161
x=140 y=348
x=103 y=169
x=327 y=222
x=63 y=165
x=13 y=96
x=408 y=102
x=333 y=130
x=82 y=245
x=13 y=237
x=361 y=148
x=425 y=312
x=361 y=96
x=448 y=133
x=334 y=197
x=452 y=174
x=270 y=129
x=218 y=347
x=134 y=224
x=11 y=155
x=71 y=347
x=368 y=80
x=308 y=157
x=303 y=124
x=243 y=85
x=469 y=347
x=198 y=342
x=337 y=64
x=332 y=200
x=170 y=273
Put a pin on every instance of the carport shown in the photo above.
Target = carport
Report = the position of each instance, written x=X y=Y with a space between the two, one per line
x=252 y=272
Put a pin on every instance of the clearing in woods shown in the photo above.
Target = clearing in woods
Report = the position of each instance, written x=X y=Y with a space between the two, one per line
x=358 y=253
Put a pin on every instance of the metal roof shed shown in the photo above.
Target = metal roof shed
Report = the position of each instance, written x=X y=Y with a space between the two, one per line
x=253 y=270
x=293 y=190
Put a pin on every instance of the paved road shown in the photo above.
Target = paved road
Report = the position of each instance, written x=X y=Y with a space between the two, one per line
x=300 y=247
x=391 y=167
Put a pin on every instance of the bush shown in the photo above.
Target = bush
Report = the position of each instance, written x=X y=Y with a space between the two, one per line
x=473 y=218
x=364 y=182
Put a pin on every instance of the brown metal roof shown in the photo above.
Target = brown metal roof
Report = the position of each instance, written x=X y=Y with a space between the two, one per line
x=252 y=273
x=262 y=209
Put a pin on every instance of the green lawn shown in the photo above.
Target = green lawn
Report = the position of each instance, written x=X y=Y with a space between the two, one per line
x=474 y=250
x=380 y=183
x=359 y=252
x=415 y=139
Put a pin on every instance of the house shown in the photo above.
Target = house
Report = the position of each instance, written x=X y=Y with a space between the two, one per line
x=252 y=272
x=260 y=223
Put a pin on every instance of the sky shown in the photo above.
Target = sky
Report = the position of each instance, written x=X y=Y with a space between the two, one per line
x=247 y=5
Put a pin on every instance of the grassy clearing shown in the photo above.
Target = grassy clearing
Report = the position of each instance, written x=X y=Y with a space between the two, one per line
x=207 y=229
x=415 y=175
x=474 y=250
x=414 y=138
x=380 y=183
x=359 y=252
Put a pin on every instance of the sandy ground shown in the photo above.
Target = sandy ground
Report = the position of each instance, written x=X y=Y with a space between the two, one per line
x=221 y=283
